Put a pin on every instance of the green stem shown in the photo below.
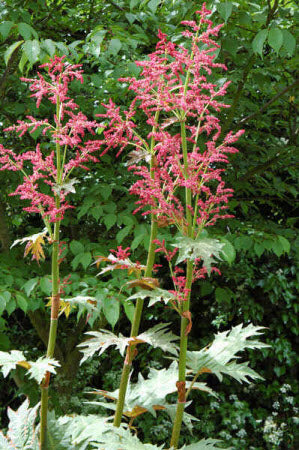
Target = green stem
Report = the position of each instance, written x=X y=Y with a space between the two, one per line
x=176 y=430
x=130 y=354
x=43 y=416
x=188 y=195
x=134 y=331
x=185 y=308
x=55 y=303
x=181 y=385
x=192 y=383
x=52 y=335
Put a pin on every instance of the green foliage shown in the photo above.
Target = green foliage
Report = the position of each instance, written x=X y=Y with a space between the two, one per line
x=11 y=49
x=233 y=420
x=258 y=45
x=225 y=10
x=258 y=41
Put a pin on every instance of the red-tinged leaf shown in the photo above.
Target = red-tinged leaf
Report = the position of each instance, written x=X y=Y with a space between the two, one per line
x=35 y=248
x=205 y=370
x=169 y=122
x=136 y=156
x=104 y=394
x=100 y=259
x=24 y=364
x=139 y=410
x=187 y=315
x=123 y=264
x=34 y=245
x=146 y=283
x=164 y=221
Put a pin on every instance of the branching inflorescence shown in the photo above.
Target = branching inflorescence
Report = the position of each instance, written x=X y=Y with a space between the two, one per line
x=173 y=85
x=46 y=175
x=179 y=103
x=66 y=132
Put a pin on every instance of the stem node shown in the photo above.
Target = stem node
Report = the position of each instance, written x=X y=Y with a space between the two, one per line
x=181 y=387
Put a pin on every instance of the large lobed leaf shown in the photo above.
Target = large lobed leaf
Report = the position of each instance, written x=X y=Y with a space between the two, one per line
x=83 y=430
x=144 y=395
x=98 y=433
x=35 y=369
x=9 y=360
x=4 y=443
x=100 y=341
x=22 y=434
x=157 y=336
x=42 y=365
x=203 y=444
x=123 y=439
x=220 y=357
x=206 y=249
x=156 y=295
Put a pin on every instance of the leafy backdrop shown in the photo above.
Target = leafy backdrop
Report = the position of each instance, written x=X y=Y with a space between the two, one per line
x=258 y=46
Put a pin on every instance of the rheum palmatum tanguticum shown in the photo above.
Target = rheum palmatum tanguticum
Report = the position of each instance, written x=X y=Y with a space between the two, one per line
x=179 y=166
x=47 y=177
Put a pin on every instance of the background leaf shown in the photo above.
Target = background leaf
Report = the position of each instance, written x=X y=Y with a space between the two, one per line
x=32 y=50
x=275 y=38
x=26 y=31
x=289 y=42
x=225 y=9
x=5 y=28
x=228 y=252
x=8 y=53
x=258 y=41
x=114 y=46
